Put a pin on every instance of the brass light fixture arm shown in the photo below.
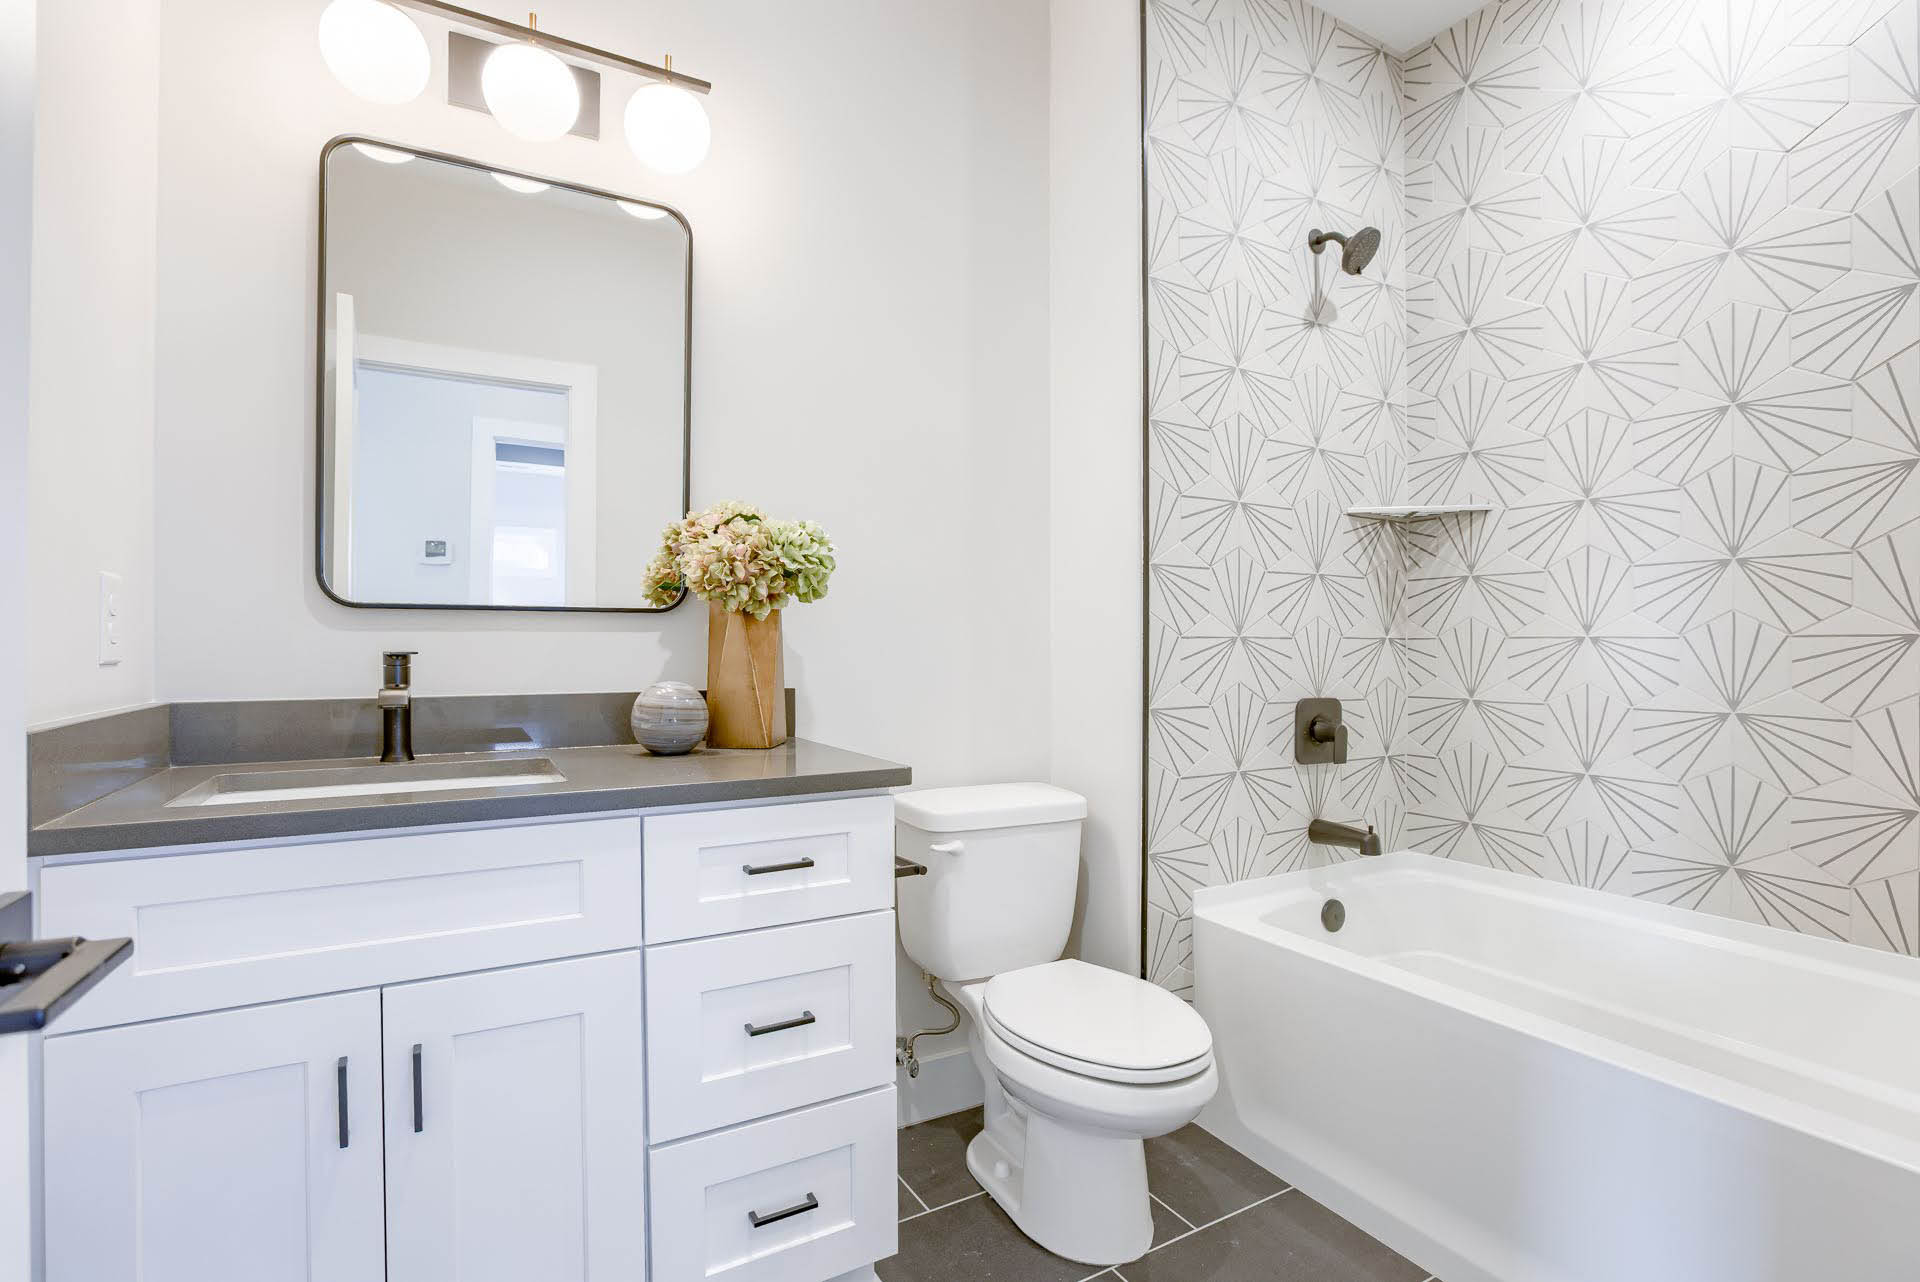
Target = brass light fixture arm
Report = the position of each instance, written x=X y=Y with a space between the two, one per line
x=559 y=44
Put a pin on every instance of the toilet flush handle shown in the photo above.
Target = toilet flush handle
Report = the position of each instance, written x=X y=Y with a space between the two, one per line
x=947 y=847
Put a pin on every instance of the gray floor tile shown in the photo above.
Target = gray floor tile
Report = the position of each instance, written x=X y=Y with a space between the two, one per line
x=909 y=1204
x=1167 y=1225
x=972 y=1241
x=1290 y=1238
x=933 y=1157
x=1201 y=1178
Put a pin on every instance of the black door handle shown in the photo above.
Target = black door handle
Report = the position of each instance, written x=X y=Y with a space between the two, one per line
x=801 y=1020
x=419 y=1115
x=340 y=1098
x=760 y=1221
x=761 y=870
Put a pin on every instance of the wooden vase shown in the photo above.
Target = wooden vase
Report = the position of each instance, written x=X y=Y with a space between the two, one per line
x=746 y=681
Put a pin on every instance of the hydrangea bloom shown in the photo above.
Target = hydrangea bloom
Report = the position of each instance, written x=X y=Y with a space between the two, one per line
x=732 y=554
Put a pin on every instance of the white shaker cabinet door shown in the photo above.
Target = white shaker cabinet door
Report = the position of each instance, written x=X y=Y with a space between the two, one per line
x=242 y=1146
x=515 y=1142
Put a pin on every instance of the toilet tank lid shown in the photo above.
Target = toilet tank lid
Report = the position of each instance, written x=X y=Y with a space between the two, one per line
x=992 y=805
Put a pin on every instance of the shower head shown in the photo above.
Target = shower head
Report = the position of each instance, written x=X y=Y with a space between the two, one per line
x=1356 y=251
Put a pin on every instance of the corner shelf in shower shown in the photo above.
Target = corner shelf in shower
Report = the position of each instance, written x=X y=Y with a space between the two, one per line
x=1404 y=515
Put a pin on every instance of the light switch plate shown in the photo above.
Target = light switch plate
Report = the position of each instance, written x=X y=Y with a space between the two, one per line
x=113 y=624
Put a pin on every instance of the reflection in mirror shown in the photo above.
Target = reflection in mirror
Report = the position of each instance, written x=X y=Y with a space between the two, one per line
x=503 y=395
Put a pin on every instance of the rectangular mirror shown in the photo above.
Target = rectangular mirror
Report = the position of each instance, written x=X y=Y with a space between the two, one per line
x=503 y=407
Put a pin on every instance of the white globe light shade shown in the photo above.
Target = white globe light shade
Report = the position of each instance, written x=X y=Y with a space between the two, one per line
x=645 y=213
x=374 y=50
x=385 y=155
x=530 y=92
x=514 y=182
x=667 y=128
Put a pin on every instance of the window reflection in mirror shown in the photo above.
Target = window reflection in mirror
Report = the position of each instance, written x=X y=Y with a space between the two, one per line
x=503 y=394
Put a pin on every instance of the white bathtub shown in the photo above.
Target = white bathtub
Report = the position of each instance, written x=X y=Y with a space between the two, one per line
x=1511 y=1080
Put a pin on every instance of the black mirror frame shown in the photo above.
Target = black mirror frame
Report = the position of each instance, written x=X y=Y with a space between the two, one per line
x=320 y=390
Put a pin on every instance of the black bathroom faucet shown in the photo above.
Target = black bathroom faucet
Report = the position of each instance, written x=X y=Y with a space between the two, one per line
x=395 y=702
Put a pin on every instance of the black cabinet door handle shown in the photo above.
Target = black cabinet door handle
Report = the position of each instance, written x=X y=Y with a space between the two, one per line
x=761 y=870
x=340 y=1097
x=760 y=1221
x=801 y=1020
x=419 y=1114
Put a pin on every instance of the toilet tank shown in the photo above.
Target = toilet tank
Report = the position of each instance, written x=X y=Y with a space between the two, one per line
x=1003 y=865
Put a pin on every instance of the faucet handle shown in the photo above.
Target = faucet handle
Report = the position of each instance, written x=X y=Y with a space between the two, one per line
x=1320 y=732
x=397 y=668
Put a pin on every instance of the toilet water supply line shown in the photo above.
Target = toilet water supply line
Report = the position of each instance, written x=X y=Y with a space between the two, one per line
x=904 y=1055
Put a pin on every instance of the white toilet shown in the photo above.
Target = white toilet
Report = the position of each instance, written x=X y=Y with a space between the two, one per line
x=1081 y=1063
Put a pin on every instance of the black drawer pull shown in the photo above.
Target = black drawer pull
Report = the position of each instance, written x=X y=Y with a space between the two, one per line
x=801 y=1020
x=340 y=1098
x=419 y=1111
x=760 y=870
x=760 y=1221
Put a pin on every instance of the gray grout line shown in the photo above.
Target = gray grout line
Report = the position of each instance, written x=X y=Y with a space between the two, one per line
x=1176 y=1215
x=1204 y=1227
x=943 y=1206
x=923 y=1201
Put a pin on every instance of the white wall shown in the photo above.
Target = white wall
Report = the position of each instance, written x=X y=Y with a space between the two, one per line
x=1094 y=475
x=869 y=351
x=16 y=240
x=90 y=453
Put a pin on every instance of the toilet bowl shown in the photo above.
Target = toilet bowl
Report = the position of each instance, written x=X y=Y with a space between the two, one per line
x=1081 y=1064
x=1063 y=1150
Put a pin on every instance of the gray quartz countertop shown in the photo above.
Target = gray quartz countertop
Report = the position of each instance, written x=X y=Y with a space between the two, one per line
x=595 y=780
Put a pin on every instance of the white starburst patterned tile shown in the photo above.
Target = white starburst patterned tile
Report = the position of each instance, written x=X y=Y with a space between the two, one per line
x=1649 y=287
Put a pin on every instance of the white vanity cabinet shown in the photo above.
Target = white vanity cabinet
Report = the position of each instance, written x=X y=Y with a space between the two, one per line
x=244 y=1144
x=457 y=1054
x=514 y=1125
x=250 y=1144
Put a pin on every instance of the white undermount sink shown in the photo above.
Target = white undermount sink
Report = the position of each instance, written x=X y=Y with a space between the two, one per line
x=256 y=787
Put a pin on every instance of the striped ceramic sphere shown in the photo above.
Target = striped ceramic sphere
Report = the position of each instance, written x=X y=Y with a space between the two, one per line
x=669 y=718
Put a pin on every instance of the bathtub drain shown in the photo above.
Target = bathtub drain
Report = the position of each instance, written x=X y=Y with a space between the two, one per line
x=1333 y=914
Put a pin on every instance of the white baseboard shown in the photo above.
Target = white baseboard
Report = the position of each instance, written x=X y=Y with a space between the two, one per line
x=948 y=1083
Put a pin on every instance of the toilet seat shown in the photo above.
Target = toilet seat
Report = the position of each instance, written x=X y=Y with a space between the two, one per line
x=1097 y=1023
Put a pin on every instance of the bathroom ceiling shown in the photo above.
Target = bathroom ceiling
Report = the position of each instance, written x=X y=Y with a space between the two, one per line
x=1400 y=25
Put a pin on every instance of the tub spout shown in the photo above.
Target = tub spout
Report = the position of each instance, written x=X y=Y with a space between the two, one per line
x=1329 y=833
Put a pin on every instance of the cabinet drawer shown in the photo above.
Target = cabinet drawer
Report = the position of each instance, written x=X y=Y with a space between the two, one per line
x=237 y=927
x=798 y=1198
x=745 y=1025
x=716 y=871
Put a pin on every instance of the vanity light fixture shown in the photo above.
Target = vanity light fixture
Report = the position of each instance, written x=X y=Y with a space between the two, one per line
x=667 y=128
x=374 y=50
x=645 y=213
x=514 y=182
x=528 y=84
x=529 y=90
